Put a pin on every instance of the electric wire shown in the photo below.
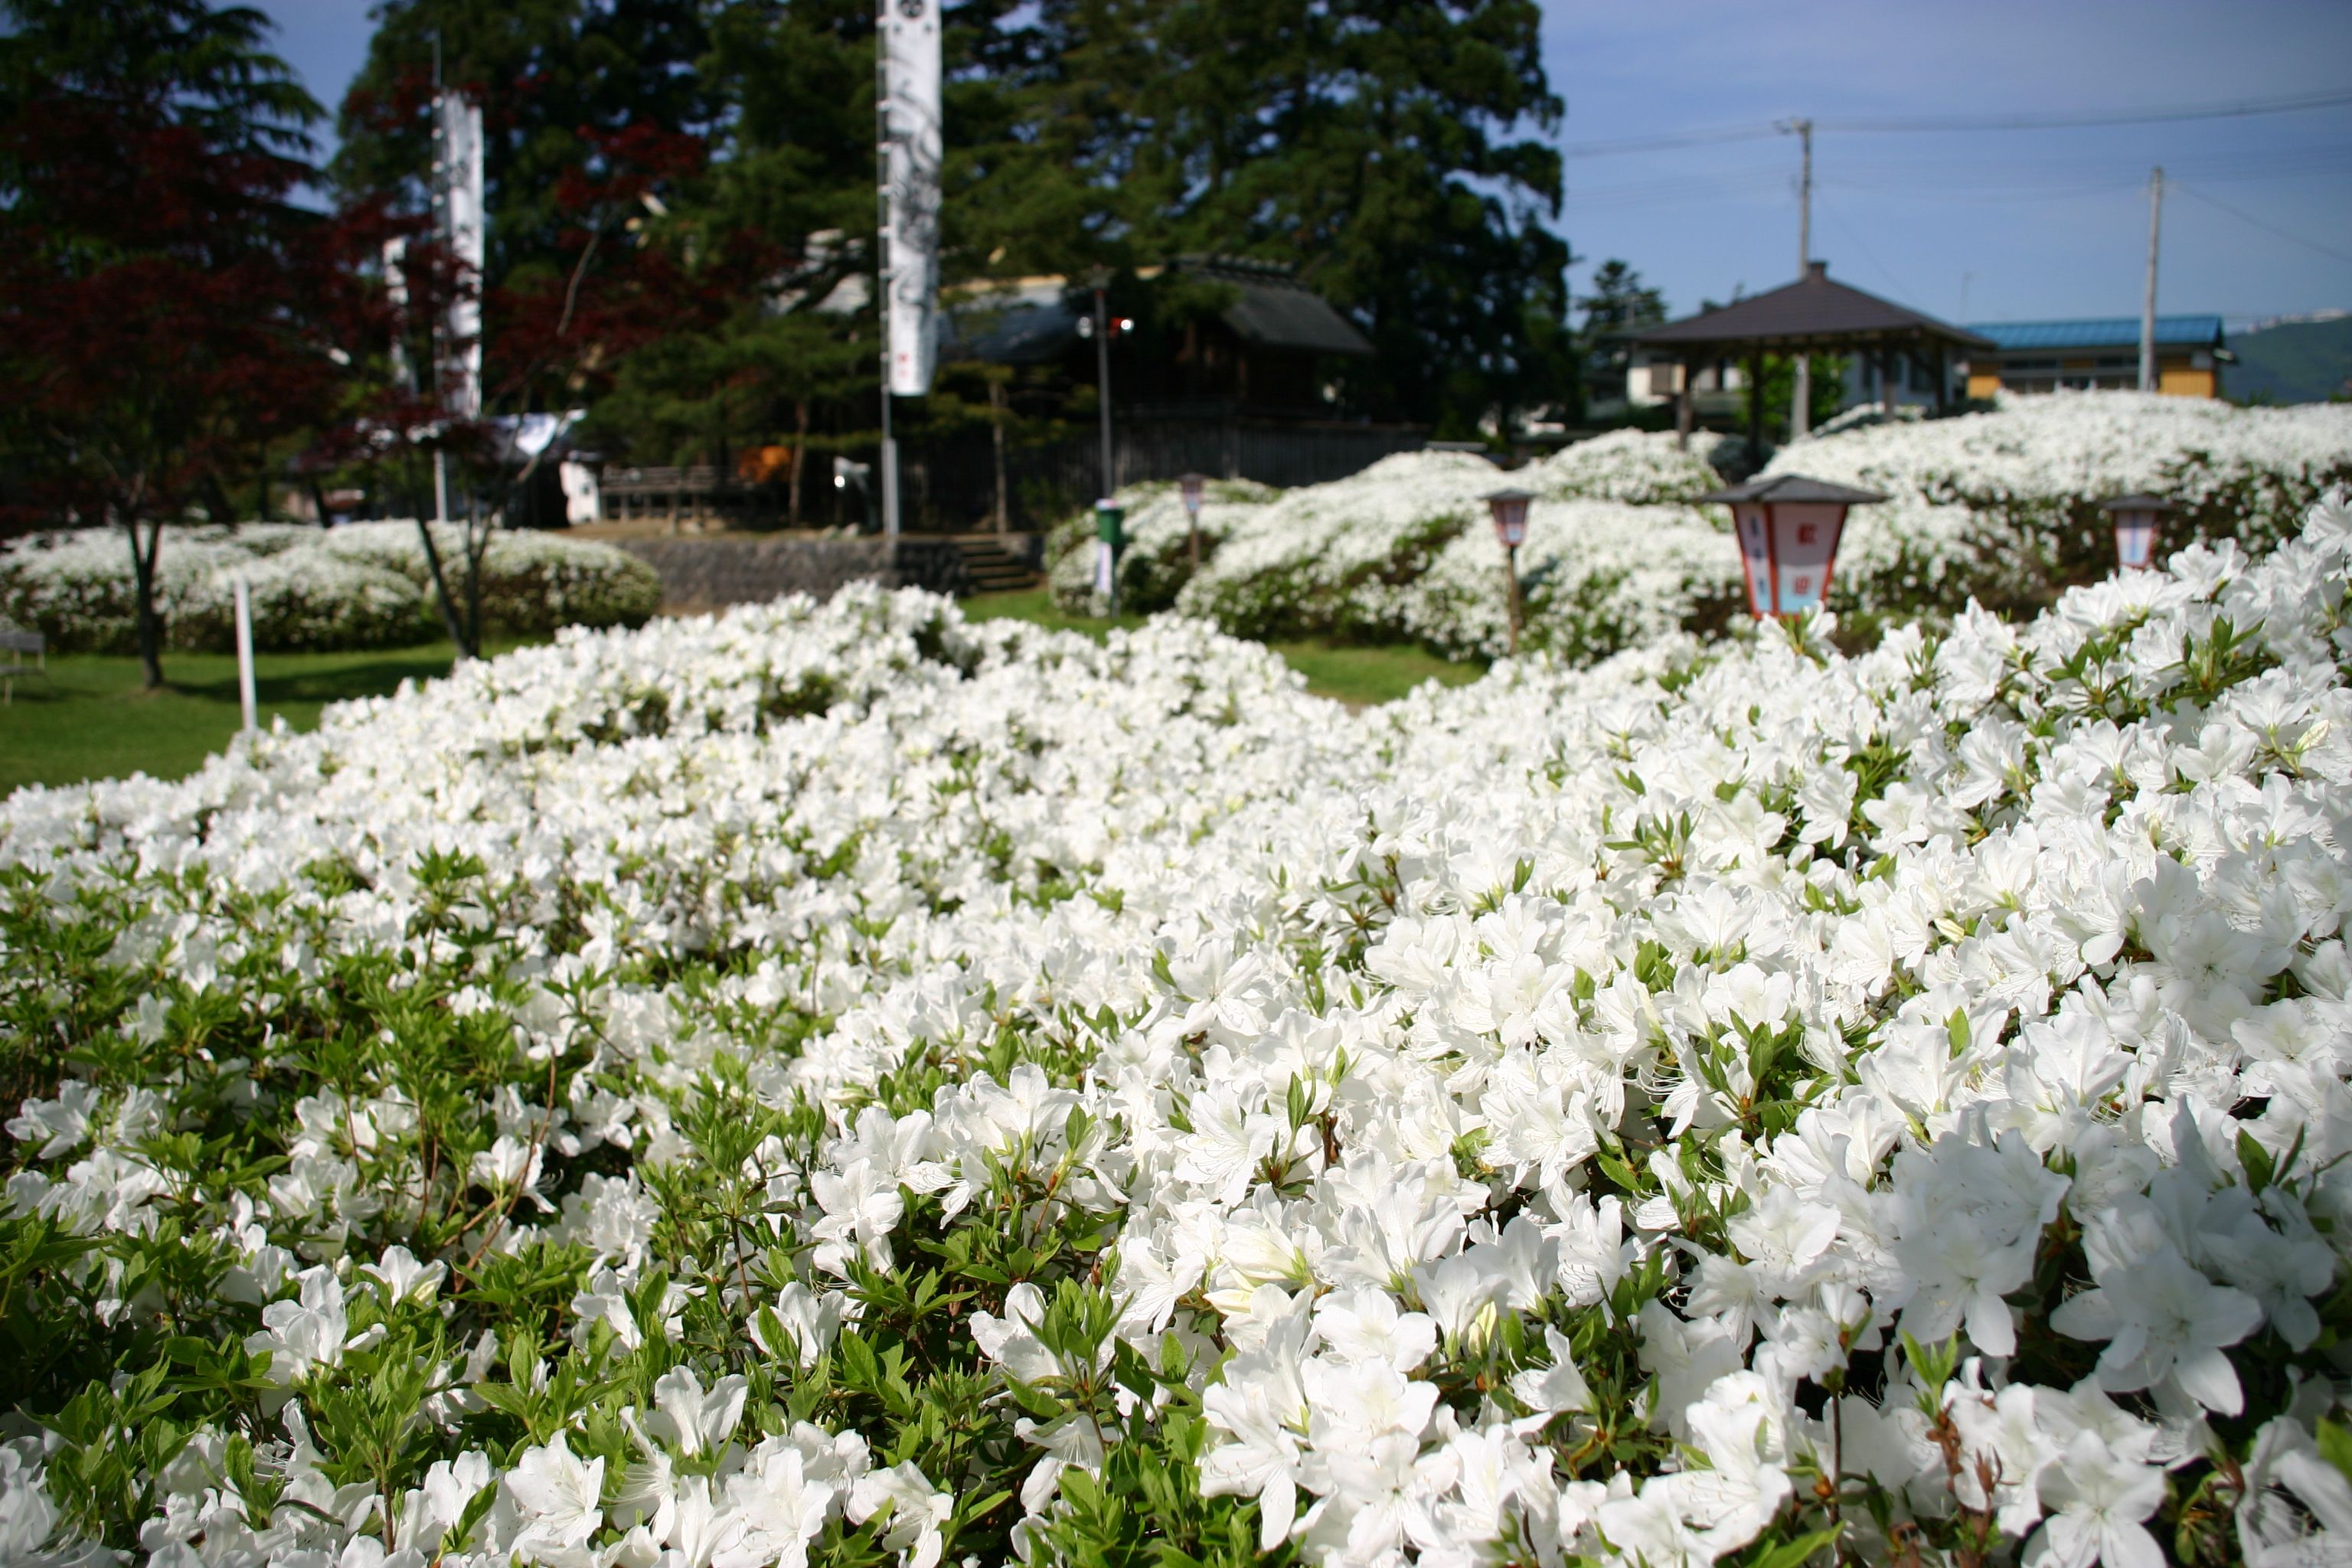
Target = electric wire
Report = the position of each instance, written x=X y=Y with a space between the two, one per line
x=1670 y=140
x=2247 y=217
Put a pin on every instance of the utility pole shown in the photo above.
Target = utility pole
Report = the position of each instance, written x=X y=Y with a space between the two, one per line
x=1800 y=400
x=2147 y=307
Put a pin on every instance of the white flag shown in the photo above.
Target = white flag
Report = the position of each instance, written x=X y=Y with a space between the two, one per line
x=465 y=224
x=395 y=289
x=910 y=188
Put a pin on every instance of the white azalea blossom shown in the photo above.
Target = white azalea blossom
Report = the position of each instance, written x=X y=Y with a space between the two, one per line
x=838 y=1081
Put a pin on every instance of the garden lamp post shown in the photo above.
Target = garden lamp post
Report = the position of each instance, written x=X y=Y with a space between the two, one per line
x=845 y=474
x=1788 y=527
x=1193 y=487
x=1510 y=509
x=1110 y=540
x=2135 y=519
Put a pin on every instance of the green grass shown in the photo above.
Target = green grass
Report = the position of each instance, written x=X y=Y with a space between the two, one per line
x=1354 y=675
x=91 y=718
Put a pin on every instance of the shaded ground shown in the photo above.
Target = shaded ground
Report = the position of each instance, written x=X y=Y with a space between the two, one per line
x=90 y=718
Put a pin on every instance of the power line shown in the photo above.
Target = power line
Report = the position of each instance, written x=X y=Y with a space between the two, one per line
x=1902 y=292
x=2253 y=106
x=2267 y=228
x=1665 y=141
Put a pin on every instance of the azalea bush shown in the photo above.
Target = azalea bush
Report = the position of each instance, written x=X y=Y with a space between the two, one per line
x=1158 y=557
x=360 y=585
x=2003 y=505
x=843 y=1084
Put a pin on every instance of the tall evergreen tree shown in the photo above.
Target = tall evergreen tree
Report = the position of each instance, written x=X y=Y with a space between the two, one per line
x=1377 y=146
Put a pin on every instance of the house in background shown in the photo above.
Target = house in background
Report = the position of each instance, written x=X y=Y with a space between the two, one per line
x=2048 y=356
x=1267 y=353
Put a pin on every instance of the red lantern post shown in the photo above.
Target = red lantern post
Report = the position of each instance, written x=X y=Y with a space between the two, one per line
x=1788 y=527
x=2137 y=517
x=1193 y=488
x=1510 y=509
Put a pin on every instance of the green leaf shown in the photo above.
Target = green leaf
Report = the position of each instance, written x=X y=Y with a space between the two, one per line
x=1789 y=1554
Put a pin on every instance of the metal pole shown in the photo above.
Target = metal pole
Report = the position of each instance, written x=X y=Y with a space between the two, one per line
x=2147 y=307
x=1511 y=569
x=244 y=653
x=1102 y=390
x=883 y=275
x=1800 y=399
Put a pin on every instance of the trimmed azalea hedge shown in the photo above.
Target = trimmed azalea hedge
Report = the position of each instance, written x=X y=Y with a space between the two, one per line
x=2001 y=507
x=845 y=1085
x=360 y=585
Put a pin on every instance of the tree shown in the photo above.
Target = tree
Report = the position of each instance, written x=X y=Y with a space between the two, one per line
x=1620 y=303
x=775 y=243
x=1374 y=145
x=561 y=83
x=154 y=277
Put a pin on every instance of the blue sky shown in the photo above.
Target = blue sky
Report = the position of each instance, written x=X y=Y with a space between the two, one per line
x=2027 y=222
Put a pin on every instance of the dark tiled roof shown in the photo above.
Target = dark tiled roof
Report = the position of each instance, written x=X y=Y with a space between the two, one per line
x=1278 y=311
x=1271 y=309
x=1812 y=312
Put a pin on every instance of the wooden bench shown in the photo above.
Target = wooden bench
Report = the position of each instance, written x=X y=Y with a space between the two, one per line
x=16 y=645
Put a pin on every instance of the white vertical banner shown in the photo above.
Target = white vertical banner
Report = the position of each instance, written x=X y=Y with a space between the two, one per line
x=911 y=189
x=465 y=225
x=395 y=289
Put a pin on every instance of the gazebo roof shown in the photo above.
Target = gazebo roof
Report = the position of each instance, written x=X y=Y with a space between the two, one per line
x=1811 y=313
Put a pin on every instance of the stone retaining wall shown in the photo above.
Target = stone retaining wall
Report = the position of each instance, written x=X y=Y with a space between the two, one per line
x=709 y=573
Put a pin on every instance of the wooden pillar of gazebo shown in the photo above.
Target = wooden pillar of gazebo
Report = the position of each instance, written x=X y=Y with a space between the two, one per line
x=1682 y=404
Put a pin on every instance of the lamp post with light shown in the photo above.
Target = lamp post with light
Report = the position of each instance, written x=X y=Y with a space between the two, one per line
x=1193 y=488
x=1510 y=511
x=2136 y=517
x=1788 y=527
x=845 y=474
x=1102 y=326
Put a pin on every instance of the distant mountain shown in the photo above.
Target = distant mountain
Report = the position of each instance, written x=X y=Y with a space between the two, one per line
x=2294 y=361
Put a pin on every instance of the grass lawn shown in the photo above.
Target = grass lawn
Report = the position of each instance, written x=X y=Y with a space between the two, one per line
x=1356 y=676
x=91 y=719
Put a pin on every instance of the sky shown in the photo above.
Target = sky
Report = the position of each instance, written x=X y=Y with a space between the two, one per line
x=1977 y=226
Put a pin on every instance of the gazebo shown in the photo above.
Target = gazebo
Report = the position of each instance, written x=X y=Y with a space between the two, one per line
x=1812 y=315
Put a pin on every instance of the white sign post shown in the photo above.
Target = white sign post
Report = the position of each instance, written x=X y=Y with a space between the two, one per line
x=459 y=184
x=908 y=157
x=245 y=654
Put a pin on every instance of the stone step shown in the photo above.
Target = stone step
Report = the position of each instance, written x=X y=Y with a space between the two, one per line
x=991 y=567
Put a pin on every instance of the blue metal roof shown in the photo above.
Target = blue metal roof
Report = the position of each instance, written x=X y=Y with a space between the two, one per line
x=2108 y=333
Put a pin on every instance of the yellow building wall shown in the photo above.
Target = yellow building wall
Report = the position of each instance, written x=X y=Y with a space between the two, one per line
x=1983 y=384
x=2183 y=381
